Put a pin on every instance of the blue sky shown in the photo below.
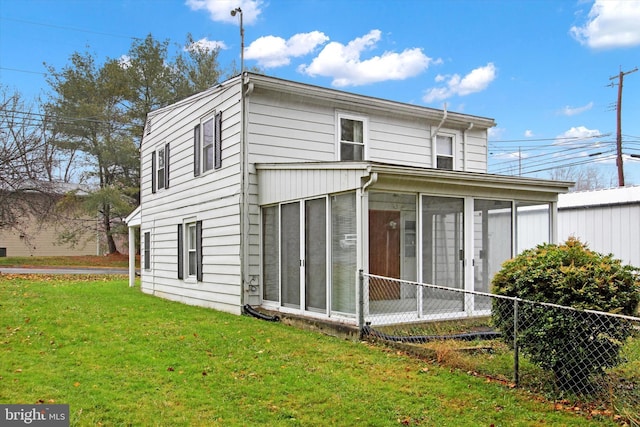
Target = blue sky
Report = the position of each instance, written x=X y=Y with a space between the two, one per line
x=540 y=68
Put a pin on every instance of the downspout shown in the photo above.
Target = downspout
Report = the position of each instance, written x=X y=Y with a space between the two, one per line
x=464 y=146
x=249 y=282
x=373 y=178
x=434 y=152
x=363 y=240
x=244 y=190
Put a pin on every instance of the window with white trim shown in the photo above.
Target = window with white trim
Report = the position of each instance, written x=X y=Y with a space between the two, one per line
x=207 y=144
x=192 y=263
x=160 y=168
x=352 y=132
x=444 y=152
x=190 y=250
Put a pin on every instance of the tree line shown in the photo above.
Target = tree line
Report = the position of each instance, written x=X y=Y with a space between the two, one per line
x=87 y=132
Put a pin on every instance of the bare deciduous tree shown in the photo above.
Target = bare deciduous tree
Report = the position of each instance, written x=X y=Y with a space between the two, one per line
x=586 y=177
x=27 y=163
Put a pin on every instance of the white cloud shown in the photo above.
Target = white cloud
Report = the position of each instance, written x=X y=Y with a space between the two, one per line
x=496 y=132
x=576 y=133
x=207 y=45
x=345 y=66
x=124 y=61
x=572 y=111
x=272 y=51
x=220 y=10
x=476 y=81
x=528 y=133
x=611 y=24
x=509 y=155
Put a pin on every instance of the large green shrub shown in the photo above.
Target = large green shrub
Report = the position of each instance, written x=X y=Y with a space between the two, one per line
x=575 y=345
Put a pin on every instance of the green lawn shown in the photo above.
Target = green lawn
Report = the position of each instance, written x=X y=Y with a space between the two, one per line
x=120 y=357
x=113 y=260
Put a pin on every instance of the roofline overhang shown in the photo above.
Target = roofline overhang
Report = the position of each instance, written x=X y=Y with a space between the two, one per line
x=367 y=102
x=134 y=219
x=412 y=174
x=350 y=100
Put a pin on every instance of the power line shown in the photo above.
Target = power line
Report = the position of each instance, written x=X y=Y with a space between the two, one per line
x=23 y=71
x=496 y=141
x=61 y=27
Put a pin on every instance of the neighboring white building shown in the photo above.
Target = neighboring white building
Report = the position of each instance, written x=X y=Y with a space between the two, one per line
x=608 y=221
x=273 y=193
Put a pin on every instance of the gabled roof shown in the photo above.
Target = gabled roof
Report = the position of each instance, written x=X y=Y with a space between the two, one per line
x=347 y=99
x=134 y=219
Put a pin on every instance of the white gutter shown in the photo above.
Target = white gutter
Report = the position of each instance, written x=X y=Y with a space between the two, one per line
x=373 y=178
x=434 y=152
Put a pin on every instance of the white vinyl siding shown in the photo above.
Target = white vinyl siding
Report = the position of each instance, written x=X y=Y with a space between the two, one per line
x=476 y=151
x=291 y=128
x=219 y=211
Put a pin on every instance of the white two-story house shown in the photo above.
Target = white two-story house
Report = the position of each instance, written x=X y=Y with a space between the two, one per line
x=274 y=193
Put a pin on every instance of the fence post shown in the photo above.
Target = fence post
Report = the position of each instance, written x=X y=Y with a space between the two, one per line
x=516 y=356
x=361 y=301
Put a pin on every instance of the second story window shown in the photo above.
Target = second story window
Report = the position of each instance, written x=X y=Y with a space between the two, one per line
x=352 y=132
x=207 y=143
x=444 y=152
x=160 y=168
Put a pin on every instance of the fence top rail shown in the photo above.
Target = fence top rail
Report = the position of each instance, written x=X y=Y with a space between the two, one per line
x=505 y=297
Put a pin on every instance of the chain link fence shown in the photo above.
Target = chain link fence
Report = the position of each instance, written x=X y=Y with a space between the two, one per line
x=579 y=358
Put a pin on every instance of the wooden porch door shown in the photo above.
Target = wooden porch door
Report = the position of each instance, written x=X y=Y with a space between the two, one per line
x=384 y=253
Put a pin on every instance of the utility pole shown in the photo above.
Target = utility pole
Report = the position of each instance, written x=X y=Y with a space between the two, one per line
x=620 y=78
x=235 y=11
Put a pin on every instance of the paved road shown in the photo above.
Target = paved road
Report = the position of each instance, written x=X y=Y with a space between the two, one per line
x=45 y=270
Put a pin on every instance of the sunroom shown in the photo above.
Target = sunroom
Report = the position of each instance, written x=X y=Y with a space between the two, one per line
x=322 y=224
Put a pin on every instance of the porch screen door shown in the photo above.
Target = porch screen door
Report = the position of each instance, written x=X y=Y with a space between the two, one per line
x=290 y=254
x=315 y=248
x=443 y=253
x=492 y=244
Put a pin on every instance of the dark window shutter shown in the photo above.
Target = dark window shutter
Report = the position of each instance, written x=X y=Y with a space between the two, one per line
x=199 y=250
x=147 y=250
x=180 y=253
x=166 y=165
x=217 y=143
x=196 y=150
x=153 y=172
